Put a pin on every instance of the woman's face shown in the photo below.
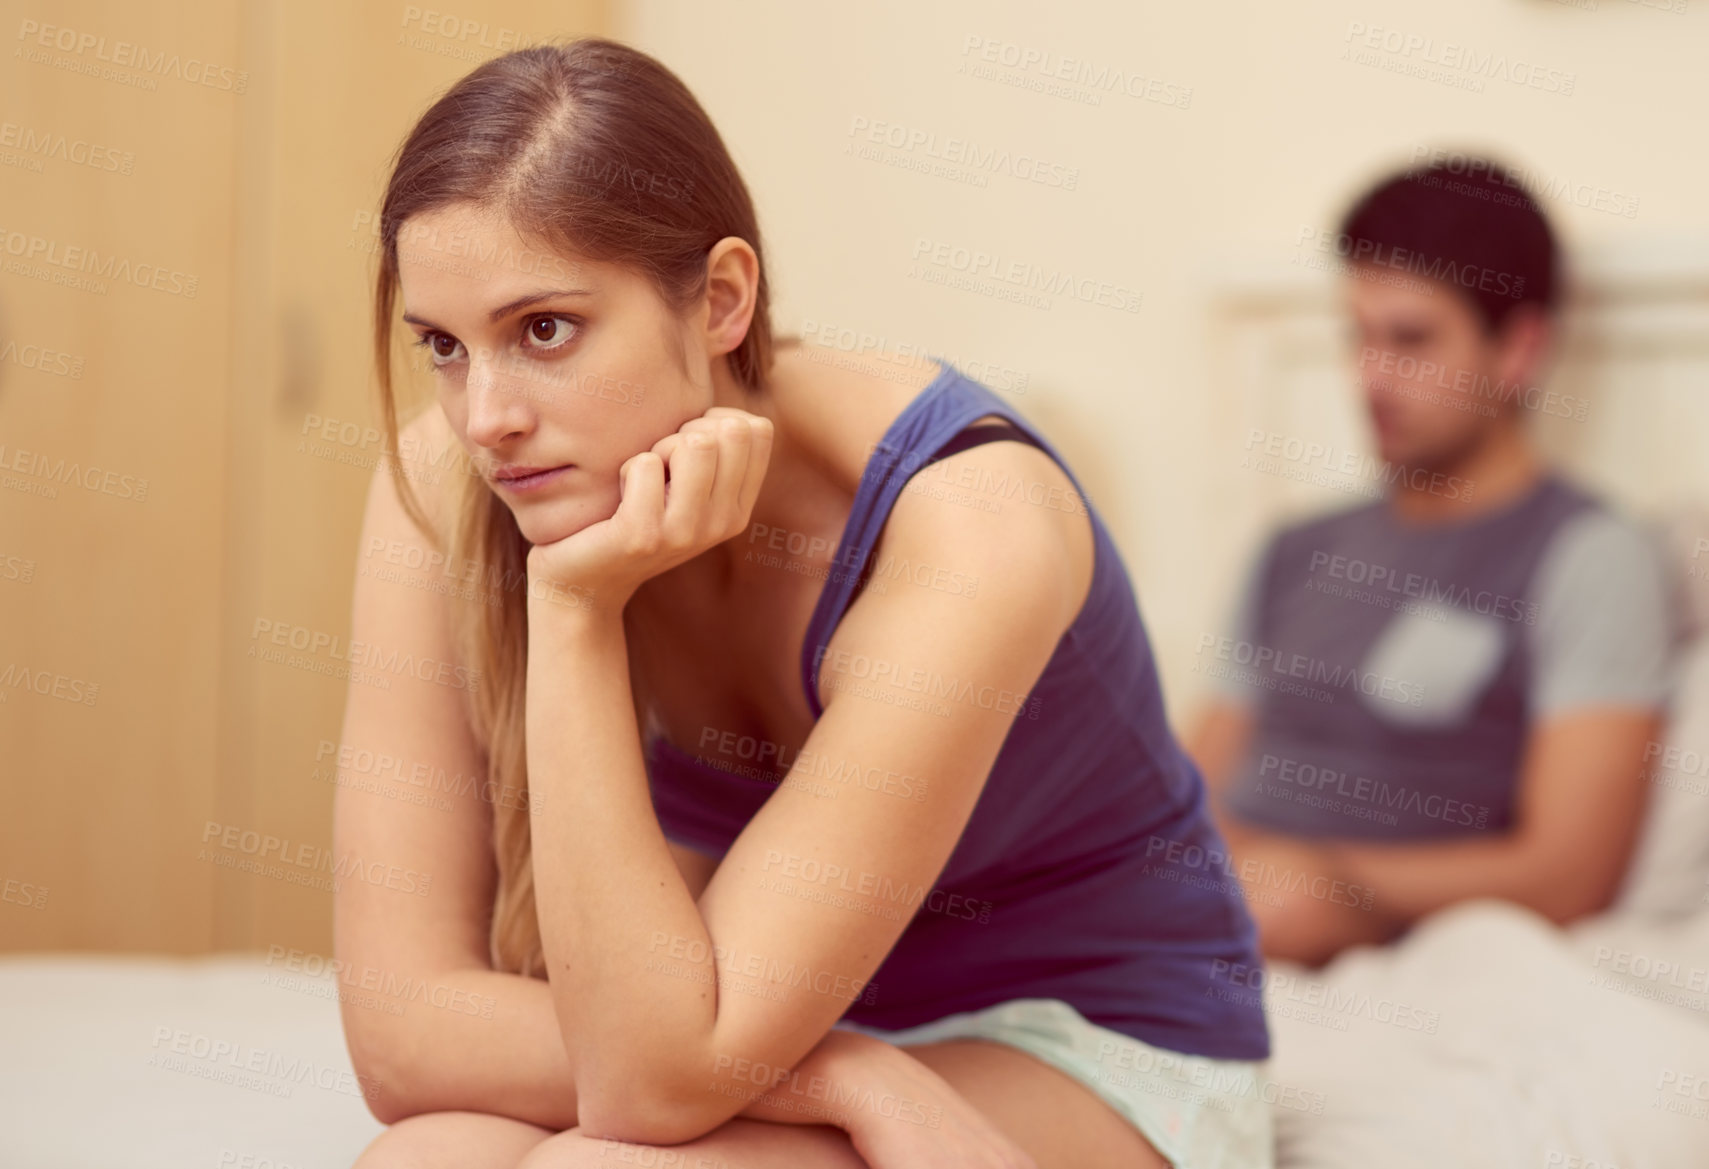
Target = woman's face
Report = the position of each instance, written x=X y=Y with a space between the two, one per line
x=551 y=369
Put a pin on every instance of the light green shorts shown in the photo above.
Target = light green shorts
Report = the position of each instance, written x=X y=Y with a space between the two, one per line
x=1199 y=1113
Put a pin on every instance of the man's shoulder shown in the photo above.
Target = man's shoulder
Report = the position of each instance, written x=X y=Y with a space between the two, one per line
x=1588 y=523
x=1322 y=528
x=1600 y=540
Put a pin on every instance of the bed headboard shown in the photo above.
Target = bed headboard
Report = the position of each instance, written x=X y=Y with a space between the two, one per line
x=1633 y=366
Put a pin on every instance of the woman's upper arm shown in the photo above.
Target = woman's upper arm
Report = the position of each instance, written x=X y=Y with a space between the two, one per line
x=410 y=789
x=817 y=891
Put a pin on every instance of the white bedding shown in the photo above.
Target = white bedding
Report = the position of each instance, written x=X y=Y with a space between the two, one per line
x=1575 y=1049
x=1585 y=1048
x=89 y=1078
x=1486 y=1038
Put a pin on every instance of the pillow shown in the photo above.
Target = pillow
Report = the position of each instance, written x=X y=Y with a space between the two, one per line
x=1684 y=532
x=1668 y=874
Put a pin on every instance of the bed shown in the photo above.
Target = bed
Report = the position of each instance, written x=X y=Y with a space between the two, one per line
x=160 y=1063
x=1487 y=1037
x=1581 y=1049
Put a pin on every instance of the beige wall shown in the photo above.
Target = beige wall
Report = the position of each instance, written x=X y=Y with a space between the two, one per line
x=153 y=596
x=1170 y=200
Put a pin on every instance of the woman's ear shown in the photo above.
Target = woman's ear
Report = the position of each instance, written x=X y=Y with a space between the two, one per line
x=732 y=291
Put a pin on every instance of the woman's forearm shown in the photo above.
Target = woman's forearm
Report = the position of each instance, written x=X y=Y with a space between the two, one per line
x=493 y=1046
x=849 y=1081
x=898 y=1112
x=606 y=887
x=475 y=1041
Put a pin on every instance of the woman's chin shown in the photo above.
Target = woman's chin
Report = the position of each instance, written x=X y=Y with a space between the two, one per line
x=547 y=533
x=547 y=523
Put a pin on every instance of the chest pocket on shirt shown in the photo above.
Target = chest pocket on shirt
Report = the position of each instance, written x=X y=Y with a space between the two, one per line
x=1428 y=667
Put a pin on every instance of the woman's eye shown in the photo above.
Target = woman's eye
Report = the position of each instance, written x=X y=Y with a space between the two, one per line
x=441 y=348
x=550 y=332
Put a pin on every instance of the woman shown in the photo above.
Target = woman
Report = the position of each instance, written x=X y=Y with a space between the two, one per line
x=827 y=814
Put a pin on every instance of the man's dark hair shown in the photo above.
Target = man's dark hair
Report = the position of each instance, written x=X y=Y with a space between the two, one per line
x=1466 y=221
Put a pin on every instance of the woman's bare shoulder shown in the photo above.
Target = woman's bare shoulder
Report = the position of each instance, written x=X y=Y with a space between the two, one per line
x=837 y=405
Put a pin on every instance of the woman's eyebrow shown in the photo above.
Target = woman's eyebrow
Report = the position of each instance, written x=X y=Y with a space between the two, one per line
x=521 y=302
x=505 y=310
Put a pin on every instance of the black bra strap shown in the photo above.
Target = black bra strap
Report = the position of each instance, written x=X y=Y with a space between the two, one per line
x=968 y=436
x=975 y=435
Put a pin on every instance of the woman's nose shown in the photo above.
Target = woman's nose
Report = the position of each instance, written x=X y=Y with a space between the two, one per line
x=498 y=409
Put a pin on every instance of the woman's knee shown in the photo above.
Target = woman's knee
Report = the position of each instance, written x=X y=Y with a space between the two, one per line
x=571 y=1150
x=452 y=1140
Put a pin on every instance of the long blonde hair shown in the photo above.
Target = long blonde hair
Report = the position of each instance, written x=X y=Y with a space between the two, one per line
x=600 y=151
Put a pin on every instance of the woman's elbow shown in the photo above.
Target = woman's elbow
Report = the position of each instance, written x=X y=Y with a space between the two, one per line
x=379 y=1068
x=643 y=1113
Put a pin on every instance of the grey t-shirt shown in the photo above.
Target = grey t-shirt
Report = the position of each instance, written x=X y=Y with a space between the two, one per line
x=1395 y=670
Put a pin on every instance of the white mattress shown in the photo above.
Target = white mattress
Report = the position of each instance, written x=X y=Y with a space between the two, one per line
x=1578 y=1049
x=1547 y=1048
x=90 y=1078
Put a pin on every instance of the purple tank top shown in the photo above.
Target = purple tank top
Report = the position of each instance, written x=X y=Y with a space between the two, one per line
x=1090 y=870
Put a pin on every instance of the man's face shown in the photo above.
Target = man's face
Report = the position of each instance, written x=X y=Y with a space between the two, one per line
x=1431 y=375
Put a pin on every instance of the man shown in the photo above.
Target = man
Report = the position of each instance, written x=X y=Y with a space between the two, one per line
x=1450 y=690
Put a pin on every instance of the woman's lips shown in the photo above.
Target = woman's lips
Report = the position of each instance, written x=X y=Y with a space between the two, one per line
x=534 y=481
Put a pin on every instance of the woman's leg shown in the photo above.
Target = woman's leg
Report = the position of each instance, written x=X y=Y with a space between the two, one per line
x=476 y=1140
x=1057 y=1119
x=735 y=1144
x=452 y=1140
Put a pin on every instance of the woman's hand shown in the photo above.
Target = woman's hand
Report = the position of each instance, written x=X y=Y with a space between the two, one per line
x=716 y=463
x=932 y=1124
x=898 y=1113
